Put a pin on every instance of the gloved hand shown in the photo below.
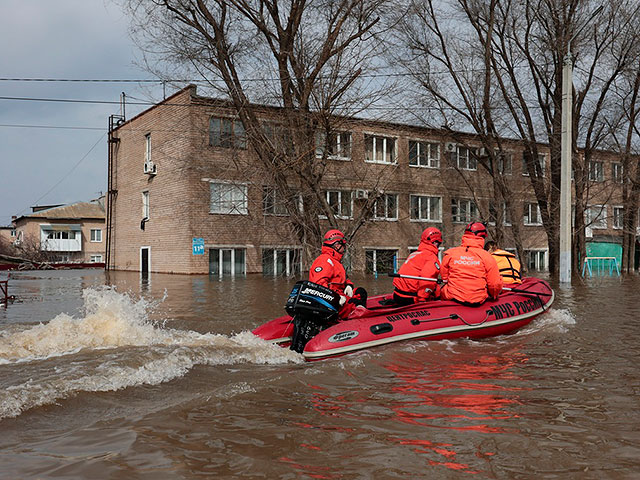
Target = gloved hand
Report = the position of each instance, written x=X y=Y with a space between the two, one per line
x=343 y=300
x=348 y=291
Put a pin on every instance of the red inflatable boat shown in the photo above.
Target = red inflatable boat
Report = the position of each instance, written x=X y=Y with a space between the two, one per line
x=381 y=323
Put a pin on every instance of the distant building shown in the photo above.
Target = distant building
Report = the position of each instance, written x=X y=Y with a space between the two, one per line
x=184 y=196
x=68 y=233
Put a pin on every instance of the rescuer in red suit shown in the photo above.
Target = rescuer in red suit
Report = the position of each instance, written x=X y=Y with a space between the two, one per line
x=421 y=263
x=327 y=270
x=470 y=272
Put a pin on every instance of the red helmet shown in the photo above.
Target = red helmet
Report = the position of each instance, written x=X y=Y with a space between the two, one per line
x=334 y=239
x=477 y=228
x=432 y=235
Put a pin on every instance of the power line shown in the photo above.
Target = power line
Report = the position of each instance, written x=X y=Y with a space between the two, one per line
x=59 y=127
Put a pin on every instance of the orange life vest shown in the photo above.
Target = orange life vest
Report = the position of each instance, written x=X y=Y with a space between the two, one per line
x=422 y=263
x=508 y=265
x=470 y=271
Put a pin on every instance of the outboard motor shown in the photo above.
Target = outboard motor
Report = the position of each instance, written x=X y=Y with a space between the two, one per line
x=312 y=307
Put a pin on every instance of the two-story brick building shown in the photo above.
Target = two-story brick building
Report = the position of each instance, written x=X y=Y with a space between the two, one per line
x=67 y=233
x=184 y=196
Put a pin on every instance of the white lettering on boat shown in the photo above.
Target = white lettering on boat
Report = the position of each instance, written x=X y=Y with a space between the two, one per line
x=402 y=316
x=317 y=293
x=343 y=336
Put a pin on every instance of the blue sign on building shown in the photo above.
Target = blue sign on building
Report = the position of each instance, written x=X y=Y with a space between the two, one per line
x=198 y=246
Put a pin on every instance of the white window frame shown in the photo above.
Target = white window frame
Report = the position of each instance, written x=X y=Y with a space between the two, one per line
x=600 y=220
x=237 y=135
x=527 y=214
x=431 y=154
x=502 y=158
x=146 y=205
x=329 y=193
x=96 y=235
x=232 y=250
x=236 y=204
x=289 y=260
x=542 y=160
x=375 y=251
x=617 y=172
x=506 y=221
x=147 y=148
x=596 y=171
x=425 y=198
x=463 y=204
x=342 y=137
x=278 y=205
x=540 y=255
x=390 y=216
x=618 y=217
x=466 y=158
x=387 y=150
x=95 y=258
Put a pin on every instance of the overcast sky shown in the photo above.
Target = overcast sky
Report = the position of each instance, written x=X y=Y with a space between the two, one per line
x=42 y=163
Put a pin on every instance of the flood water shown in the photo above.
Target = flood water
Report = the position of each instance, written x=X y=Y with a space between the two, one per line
x=105 y=377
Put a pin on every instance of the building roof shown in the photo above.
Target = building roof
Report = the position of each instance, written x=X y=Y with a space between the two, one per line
x=76 y=211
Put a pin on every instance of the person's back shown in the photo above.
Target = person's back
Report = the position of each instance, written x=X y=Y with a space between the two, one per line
x=470 y=272
x=508 y=264
x=422 y=263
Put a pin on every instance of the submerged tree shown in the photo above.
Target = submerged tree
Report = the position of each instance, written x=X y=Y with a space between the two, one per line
x=307 y=58
x=512 y=71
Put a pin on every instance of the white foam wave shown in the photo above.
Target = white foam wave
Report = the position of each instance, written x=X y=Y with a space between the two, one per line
x=115 y=320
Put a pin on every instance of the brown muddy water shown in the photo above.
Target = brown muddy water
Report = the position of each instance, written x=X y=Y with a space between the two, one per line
x=108 y=377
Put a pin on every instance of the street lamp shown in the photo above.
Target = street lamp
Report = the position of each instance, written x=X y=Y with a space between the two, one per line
x=566 y=147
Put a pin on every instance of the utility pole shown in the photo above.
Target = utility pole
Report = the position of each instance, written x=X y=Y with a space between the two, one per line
x=566 y=149
x=566 y=144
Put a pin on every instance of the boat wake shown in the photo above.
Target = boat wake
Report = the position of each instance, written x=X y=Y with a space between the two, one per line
x=113 y=346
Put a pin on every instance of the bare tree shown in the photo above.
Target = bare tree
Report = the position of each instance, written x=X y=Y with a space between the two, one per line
x=518 y=56
x=307 y=58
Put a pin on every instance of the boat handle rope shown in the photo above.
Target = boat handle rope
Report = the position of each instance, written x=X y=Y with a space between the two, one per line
x=453 y=316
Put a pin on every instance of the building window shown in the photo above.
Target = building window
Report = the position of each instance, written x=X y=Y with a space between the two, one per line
x=463 y=210
x=281 y=261
x=532 y=214
x=227 y=261
x=618 y=217
x=386 y=207
x=536 y=259
x=424 y=208
x=340 y=202
x=380 y=261
x=466 y=158
x=595 y=216
x=145 y=205
x=228 y=198
x=96 y=235
x=380 y=149
x=273 y=202
x=504 y=163
x=596 y=171
x=95 y=259
x=13 y=232
x=617 y=172
x=338 y=145
x=424 y=154
x=227 y=133
x=541 y=163
x=497 y=213
x=147 y=148
x=61 y=235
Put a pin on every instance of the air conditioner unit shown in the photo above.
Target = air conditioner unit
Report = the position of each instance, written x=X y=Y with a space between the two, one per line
x=482 y=152
x=150 y=168
x=450 y=147
x=362 y=194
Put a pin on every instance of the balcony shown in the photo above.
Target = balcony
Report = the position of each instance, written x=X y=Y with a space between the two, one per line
x=60 y=238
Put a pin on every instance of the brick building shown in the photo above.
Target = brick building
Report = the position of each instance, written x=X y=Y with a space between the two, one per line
x=184 y=198
x=68 y=233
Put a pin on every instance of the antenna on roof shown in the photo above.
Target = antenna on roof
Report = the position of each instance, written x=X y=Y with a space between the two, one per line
x=122 y=104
